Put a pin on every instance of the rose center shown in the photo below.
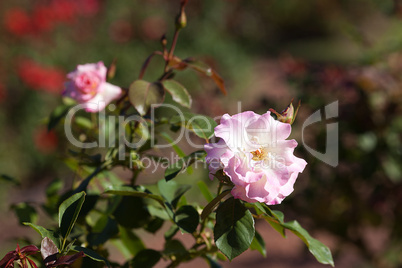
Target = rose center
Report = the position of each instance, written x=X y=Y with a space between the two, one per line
x=259 y=154
x=87 y=83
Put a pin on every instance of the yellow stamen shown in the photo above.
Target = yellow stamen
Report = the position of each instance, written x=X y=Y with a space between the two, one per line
x=259 y=154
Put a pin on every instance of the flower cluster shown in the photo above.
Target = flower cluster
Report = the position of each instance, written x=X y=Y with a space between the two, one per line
x=43 y=18
x=255 y=154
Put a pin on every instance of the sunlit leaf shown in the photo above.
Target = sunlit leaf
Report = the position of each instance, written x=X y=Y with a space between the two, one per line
x=131 y=241
x=68 y=213
x=143 y=94
x=45 y=233
x=178 y=91
x=172 y=191
x=129 y=191
x=205 y=191
x=25 y=212
x=258 y=244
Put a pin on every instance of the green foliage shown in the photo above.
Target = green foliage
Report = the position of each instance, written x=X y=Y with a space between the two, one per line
x=178 y=92
x=202 y=125
x=276 y=219
x=143 y=94
x=25 y=212
x=101 y=208
x=68 y=213
x=234 y=228
x=182 y=164
x=146 y=258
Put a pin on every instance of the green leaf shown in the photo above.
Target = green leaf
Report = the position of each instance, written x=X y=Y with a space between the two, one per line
x=171 y=232
x=172 y=191
x=176 y=148
x=68 y=213
x=258 y=243
x=318 y=249
x=178 y=92
x=7 y=178
x=131 y=241
x=146 y=258
x=276 y=220
x=174 y=248
x=54 y=187
x=234 y=228
x=213 y=204
x=143 y=94
x=205 y=191
x=154 y=225
x=104 y=229
x=183 y=163
x=132 y=212
x=202 y=125
x=129 y=191
x=84 y=122
x=25 y=212
x=187 y=218
x=45 y=233
x=91 y=254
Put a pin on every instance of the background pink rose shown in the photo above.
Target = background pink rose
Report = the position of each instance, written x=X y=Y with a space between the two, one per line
x=88 y=85
x=254 y=153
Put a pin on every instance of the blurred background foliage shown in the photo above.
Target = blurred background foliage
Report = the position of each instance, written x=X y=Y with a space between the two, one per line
x=268 y=52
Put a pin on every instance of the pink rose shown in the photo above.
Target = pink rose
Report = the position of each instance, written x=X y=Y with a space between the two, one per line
x=254 y=153
x=88 y=86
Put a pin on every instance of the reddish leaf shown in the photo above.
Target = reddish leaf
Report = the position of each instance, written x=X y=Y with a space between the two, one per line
x=8 y=258
x=29 y=250
x=201 y=67
x=67 y=260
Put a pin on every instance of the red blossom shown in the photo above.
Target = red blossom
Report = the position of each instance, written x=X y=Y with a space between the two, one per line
x=41 y=78
x=3 y=93
x=63 y=10
x=42 y=19
x=17 y=22
x=87 y=7
x=45 y=141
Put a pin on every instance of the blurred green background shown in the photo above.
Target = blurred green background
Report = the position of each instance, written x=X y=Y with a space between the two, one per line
x=268 y=52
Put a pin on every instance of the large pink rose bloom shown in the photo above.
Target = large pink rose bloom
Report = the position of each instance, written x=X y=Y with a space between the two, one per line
x=87 y=85
x=254 y=153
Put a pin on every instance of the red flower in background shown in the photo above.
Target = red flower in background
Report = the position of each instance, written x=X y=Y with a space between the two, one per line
x=41 y=78
x=3 y=93
x=63 y=10
x=42 y=19
x=87 y=7
x=17 y=22
x=45 y=141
